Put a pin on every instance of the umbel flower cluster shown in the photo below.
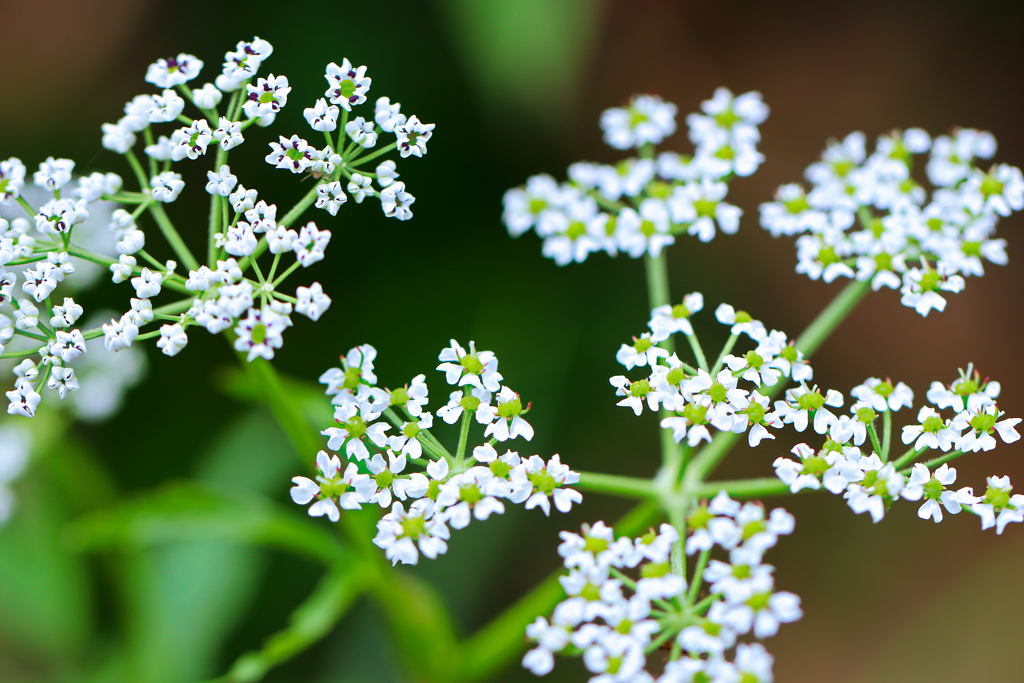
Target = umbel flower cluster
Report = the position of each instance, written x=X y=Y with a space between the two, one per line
x=231 y=292
x=615 y=633
x=628 y=597
x=441 y=489
x=866 y=217
x=639 y=205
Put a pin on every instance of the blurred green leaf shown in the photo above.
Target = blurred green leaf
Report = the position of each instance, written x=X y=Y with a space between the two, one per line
x=188 y=511
x=525 y=56
x=45 y=601
x=313 y=620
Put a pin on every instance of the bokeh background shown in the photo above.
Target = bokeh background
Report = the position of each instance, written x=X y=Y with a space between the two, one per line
x=515 y=88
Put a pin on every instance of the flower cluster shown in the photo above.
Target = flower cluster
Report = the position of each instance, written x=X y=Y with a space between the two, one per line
x=447 y=490
x=696 y=399
x=871 y=483
x=231 y=292
x=615 y=632
x=866 y=217
x=638 y=205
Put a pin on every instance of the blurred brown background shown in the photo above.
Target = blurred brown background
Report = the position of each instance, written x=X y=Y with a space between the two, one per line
x=516 y=88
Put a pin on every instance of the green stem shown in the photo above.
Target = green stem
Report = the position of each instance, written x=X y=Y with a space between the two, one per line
x=698 y=573
x=677 y=558
x=140 y=174
x=908 y=457
x=289 y=218
x=931 y=464
x=874 y=441
x=742 y=488
x=830 y=318
x=726 y=350
x=886 y=434
x=701 y=606
x=698 y=352
x=173 y=238
x=27 y=207
x=659 y=641
x=460 y=454
x=613 y=484
x=359 y=161
x=808 y=342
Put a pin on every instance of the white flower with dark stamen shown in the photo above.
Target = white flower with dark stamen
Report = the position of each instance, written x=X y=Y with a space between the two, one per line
x=172 y=339
x=321 y=116
x=330 y=197
x=294 y=154
x=166 y=107
x=395 y=201
x=412 y=137
x=222 y=182
x=167 y=73
x=312 y=302
x=268 y=96
x=166 y=186
x=346 y=86
x=310 y=245
x=228 y=134
x=362 y=132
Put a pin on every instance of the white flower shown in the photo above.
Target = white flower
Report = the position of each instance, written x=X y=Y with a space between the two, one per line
x=167 y=73
x=814 y=469
x=736 y=117
x=635 y=393
x=388 y=115
x=667 y=320
x=741 y=322
x=228 y=134
x=359 y=186
x=62 y=380
x=207 y=97
x=321 y=116
x=166 y=107
x=997 y=508
x=357 y=423
x=222 y=182
x=931 y=487
x=522 y=206
x=191 y=141
x=117 y=138
x=884 y=396
x=346 y=86
x=262 y=217
x=921 y=287
x=260 y=333
x=647 y=120
x=331 y=489
x=759 y=608
x=242 y=64
x=119 y=334
x=401 y=533
x=383 y=474
x=312 y=301
x=534 y=481
x=330 y=197
x=643 y=351
x=166 y=186
x=65 y=315
x=172 y=339
x=294 y=154
x=395 y=201
x=505 y=419
x=980 y=426
x=310 y=244
x=92 y=187
x=23 y=401
x=268 y=96
x=474 y=493
x=932 y=432
x=881 y=482
x=476 y=368
x=53 y=174
x=412 y=137
x=700 y=206
x=12 y=180
x=361 y=131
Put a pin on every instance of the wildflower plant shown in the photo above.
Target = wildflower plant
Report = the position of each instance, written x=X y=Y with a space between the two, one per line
x=229 y=291
x=676 y=591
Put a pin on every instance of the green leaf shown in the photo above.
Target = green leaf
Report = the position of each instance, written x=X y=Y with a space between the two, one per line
x=184 y=511
x=313 y=620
